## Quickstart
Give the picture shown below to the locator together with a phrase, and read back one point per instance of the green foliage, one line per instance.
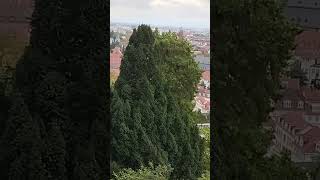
(253, 41)
(152, 122)
(205, 176)
(281, 167)
(178, 67)
(57, 127)
(200, 118)
(10, 52)
(161, 172)
(205, 133)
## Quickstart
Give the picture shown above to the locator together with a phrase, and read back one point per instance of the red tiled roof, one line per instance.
(115, 58)
(296, 119)
(205, 48)
(202, 90)
(312, 113)
(292, 94)
(311, 138)
(309, 133)
(206, 75)
(311, 95)
(308, 44)
(294, 84)
(205, 102)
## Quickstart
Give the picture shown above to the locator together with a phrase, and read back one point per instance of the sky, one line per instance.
(179, 13)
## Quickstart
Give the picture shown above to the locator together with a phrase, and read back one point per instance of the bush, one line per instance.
(205, 176)
(160, 172)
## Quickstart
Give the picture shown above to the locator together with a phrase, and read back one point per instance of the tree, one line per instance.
(10, 52)
(253, 41)
(159, 127)
(177, 65)
(140, 97)
(21, 145)
(62, 81)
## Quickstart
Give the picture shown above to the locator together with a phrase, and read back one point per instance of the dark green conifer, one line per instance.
(159, 122)
(62, 78)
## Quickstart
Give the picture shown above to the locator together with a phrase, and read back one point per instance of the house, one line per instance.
(202, 104)
(203, 92)
(296, 121)
(14, 19)
(305, 13)
(308, 53)
(203, 61)
(295, 135)
(205, 79)
(292, 97)
(202, 99)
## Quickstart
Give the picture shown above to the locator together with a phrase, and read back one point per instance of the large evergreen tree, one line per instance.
(253, 41)
(151, 115)
(58, 125)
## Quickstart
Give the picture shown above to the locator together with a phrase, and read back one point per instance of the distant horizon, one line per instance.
(160, 25)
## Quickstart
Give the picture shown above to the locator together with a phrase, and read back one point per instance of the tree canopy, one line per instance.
(152, 120)
(252, 45)
(58, 126)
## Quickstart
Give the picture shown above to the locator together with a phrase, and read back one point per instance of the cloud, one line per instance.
(179, 3)
(137, 4)
(196, 12)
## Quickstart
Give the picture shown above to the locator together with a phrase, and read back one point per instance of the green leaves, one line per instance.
(161, 172)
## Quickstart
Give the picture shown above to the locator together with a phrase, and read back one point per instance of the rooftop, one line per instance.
(115, 58)
(308, 44)
(206, 75)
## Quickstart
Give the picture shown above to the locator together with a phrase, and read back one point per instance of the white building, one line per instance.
(296, 122)
(205, 79)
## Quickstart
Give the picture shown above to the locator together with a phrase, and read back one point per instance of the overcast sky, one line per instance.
(184, 13)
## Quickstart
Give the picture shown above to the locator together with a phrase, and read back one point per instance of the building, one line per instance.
(204, 125)
(306, 13)
(307, 52)
(295, 135)
(202, 105)
(115, 62)
(202, 98)
(203, 61)
(296, 122)
(292, 97)
(14, 16)
(115, 58)
(205, 79)
(203, 92)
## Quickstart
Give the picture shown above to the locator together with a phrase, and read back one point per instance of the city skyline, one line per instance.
(175, 13)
